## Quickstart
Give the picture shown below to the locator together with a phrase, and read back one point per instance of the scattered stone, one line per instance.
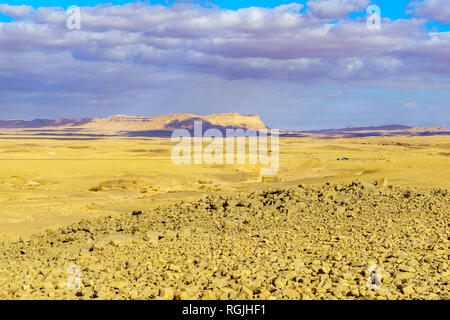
(404, 276)
(153, 236)
(166, 293)
(408, 290)
(290, 243)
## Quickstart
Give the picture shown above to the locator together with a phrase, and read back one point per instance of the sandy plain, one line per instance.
(48, 183)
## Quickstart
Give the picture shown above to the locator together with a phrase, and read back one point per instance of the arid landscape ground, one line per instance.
(121, 138)
(140, 227)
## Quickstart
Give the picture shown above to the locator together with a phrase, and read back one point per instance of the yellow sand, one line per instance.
(51, 182)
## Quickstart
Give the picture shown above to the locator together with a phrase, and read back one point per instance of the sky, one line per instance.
(310, 64)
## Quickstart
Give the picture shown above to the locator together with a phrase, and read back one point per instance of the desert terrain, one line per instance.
(140, 227)
(225, 150)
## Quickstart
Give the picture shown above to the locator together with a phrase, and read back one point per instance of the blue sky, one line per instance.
(300, 67)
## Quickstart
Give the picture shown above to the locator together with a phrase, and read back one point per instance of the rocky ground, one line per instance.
(307, 242)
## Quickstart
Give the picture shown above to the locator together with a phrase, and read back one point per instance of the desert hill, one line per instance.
(386, 130)
(175, 121)
(41, 123)
(164, 125)
(122, 124)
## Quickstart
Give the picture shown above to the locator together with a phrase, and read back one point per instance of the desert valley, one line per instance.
(104, 195)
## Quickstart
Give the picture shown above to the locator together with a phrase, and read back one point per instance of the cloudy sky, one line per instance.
(310, 64)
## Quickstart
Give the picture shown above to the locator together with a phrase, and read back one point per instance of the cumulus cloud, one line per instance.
(141, 51)
(18, 12)
(434, 10)
(335, 9)
(252, 42)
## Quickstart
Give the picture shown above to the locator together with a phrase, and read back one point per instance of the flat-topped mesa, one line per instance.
(163, 125)
(174, 121)
(236, 120)
(123, 124)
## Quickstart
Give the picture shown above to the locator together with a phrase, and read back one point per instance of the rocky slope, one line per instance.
(307, 242)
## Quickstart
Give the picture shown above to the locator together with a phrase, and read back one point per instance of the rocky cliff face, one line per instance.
(168, 122)
(126, 123)
(175, 121)
(236, 120)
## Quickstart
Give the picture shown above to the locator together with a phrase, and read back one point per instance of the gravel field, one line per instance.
(348, 241)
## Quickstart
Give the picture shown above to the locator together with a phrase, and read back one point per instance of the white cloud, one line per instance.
(335, 9)
(433, 10)
(17, 12)
(145, 53)
(279, 43)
